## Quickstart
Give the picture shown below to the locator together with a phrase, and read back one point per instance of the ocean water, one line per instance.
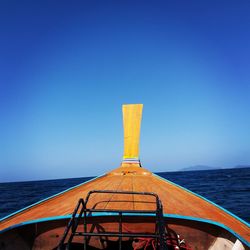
(229, 188)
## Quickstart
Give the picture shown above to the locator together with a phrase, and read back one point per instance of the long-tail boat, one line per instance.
(126, 208)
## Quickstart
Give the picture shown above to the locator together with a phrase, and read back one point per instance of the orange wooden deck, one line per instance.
(133, 178)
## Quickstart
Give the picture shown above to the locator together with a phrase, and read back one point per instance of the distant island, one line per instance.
(204, 167)
(199, 167)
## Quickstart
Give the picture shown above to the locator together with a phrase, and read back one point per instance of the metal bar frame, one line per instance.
(84, 212)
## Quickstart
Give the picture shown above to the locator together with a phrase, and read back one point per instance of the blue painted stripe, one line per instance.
(48, 198)
(203, 198)
(108, 214)
(36, 221)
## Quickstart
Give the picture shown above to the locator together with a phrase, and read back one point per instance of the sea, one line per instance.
(229, 188)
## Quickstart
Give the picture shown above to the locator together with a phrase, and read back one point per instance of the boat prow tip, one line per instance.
(130, 168)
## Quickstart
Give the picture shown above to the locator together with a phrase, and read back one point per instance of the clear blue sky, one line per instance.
(66, 67)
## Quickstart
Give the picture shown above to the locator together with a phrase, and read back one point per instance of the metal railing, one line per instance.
(82, 212)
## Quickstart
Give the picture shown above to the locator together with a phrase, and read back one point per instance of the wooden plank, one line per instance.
(124, 201)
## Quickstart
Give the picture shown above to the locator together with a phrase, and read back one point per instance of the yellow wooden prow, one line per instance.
(132, 114)
(131, 165)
